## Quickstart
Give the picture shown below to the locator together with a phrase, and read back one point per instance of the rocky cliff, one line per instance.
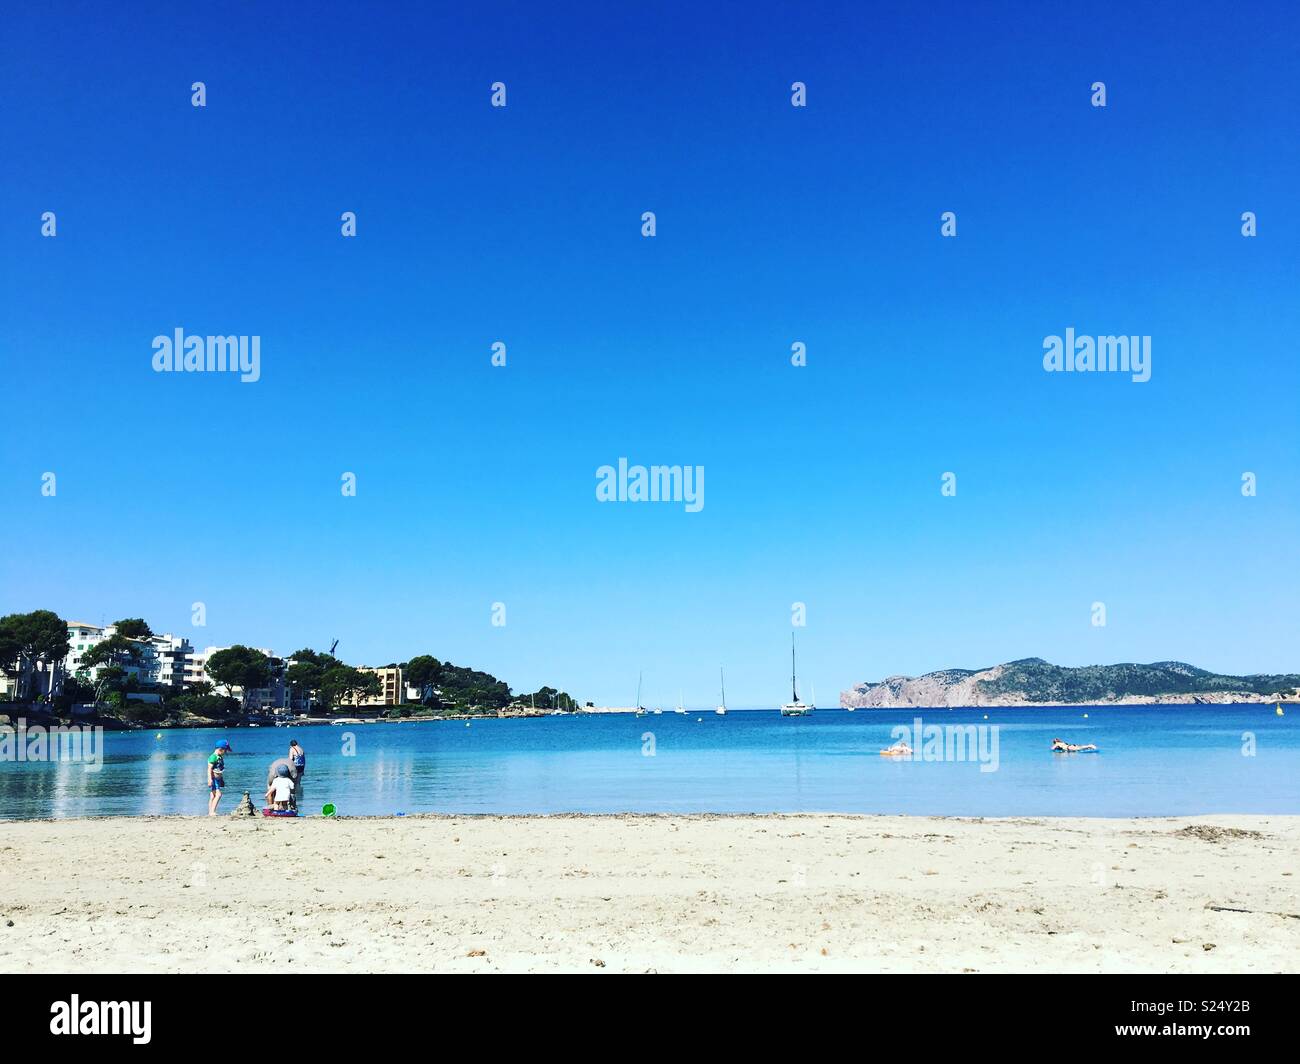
(1035, 682)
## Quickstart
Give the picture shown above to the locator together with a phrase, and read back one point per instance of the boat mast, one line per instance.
(723, 680)
(794, 689)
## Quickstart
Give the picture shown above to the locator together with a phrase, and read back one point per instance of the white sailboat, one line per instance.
(721, 711)
(640, 710)
(680, 708)
(795, 708)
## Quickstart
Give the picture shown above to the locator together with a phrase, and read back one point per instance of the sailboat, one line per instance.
(640, 711)
(721, 711)
(680, 708)
(795, 708)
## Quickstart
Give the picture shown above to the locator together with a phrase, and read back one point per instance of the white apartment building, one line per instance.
(162, 658)
(81, 637)
(173, 658)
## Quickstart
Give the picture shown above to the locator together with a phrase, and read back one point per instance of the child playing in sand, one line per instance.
(280, 790)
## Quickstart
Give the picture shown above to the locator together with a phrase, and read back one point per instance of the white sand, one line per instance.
(628, 893)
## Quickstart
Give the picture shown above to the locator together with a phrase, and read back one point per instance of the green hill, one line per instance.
(1036, 680)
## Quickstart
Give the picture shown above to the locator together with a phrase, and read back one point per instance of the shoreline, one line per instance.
(965, 818)
(41, 717)
(661, 892)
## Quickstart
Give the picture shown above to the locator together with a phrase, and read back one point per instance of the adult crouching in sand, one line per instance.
(296, 765)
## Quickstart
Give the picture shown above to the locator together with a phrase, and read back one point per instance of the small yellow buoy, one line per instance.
(1279, 710)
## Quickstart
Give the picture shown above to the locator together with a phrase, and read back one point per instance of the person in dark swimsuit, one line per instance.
(297, 769)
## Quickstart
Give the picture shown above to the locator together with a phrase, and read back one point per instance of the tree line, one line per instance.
(312, 677)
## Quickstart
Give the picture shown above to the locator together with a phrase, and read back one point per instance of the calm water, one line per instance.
(1154, 761)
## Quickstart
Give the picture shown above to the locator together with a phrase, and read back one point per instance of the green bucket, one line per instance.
(327, 809)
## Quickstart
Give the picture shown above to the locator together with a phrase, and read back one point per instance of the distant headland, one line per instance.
(1035, 682)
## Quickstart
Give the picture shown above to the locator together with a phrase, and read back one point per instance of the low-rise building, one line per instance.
(278, 696)
(392, 691)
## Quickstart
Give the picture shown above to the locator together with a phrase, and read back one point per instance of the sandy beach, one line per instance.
(651, 893)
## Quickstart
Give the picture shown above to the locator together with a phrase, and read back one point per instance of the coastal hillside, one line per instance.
(1035, 682)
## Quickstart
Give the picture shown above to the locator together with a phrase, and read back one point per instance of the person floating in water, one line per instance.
(1060, 746)
(899, 749)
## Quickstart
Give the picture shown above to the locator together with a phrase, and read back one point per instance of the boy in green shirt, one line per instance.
(217, 775)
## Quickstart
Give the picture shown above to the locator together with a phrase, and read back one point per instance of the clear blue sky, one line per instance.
(775, 225)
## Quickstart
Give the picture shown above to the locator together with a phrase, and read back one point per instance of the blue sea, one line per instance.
(1153, 761)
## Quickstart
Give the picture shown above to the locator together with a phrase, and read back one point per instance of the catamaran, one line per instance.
(721, 711)
(795, 708)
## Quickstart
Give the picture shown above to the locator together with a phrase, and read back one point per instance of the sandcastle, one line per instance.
(245, 807)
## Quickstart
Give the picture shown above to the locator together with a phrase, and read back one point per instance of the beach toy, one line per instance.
(327, 809)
